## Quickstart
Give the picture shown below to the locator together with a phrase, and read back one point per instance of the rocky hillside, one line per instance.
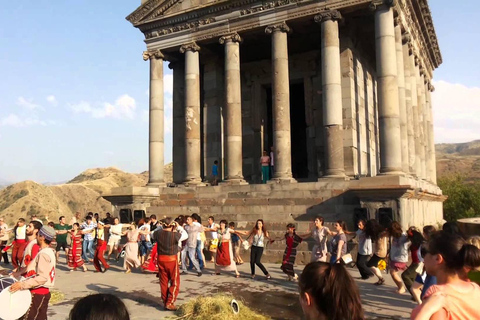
(459, 158)
(82, 193)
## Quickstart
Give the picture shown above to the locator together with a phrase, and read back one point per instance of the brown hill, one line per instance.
(459, 158)
(82, 193)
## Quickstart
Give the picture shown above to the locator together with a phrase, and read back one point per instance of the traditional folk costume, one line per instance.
(19, 245)
(290, 254)
(75, 254)
(168, 269)
(100, 251)
(224, 260)
(151, 264)
(31, 250)
(43, 269)
(131, 250)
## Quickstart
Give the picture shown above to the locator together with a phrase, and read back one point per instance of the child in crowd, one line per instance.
(236, 243)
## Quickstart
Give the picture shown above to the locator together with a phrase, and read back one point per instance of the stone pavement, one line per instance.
(276, 298)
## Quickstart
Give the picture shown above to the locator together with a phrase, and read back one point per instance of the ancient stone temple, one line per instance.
(338, 90)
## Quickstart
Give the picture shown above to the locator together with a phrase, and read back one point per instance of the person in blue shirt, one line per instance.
(215, 173)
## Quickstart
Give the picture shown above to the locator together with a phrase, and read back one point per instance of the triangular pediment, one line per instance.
(157, 9)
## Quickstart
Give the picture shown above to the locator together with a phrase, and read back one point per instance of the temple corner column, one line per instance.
(156, 156)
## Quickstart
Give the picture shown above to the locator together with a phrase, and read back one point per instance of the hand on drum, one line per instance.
(15, 287)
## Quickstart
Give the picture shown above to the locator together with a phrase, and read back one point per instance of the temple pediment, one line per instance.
(157, 9)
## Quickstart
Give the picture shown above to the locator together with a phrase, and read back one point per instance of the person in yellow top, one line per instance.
(100, 249)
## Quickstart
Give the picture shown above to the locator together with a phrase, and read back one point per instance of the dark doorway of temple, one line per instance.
(298, 129)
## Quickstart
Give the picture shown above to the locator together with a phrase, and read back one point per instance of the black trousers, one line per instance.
(4, 254)
(365, 271)
(255, 259)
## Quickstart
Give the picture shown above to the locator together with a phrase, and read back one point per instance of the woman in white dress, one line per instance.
(131, 248)
(224, 260)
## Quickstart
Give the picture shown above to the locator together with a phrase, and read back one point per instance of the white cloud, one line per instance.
(456, 112)
(123, 108)
(13, 120)
(24, 103)
(52, 100)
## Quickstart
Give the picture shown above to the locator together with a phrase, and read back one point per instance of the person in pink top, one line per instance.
(454, 297)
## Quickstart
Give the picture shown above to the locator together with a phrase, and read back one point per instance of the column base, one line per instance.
(392, 173)
(335, 176)
(194, 182)
(156, 184)
(281, 181)
(234, 181)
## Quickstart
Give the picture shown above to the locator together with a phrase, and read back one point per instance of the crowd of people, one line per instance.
(438, 268)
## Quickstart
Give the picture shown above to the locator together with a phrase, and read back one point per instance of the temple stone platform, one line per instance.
(386, 198)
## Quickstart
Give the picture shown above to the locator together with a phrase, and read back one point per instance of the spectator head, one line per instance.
(51, 224)
(180, 220)
(108, 214)
(211, 219)
(361, 224)
(231, 225)
(319, 221)
(33, 228)
(115, 220)
(340, 226)
(329, 292)
(21, 222)
(189, 220)
(452, 228)
(265, 153)
(61, 219)
(223, 224)
(448, 254)
(102, 306)
(153, 217)
(215, 162)
(88, 218)
(196, 218)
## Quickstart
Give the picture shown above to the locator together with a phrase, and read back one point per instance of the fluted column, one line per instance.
(233, 109)
(416, 126)
(428, 133)
(332, 93)
(192, 113)
(421, 126)
(281, 103)
(408, 102)
(431, 136)
(402, 103)
(425, 123)
(155, 125)
(178, 112)
(387, 83)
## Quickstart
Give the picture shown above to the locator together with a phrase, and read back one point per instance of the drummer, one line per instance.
(31, 249)
(44, 269)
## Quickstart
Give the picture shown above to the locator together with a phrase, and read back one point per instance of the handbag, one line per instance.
(347, 258)
(246, 245)
(213, 244)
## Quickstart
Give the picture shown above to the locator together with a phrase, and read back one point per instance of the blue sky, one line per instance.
(73, 88)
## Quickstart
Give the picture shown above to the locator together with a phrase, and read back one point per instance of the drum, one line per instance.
(13, 305)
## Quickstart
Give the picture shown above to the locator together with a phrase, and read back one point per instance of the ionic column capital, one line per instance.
(406, 38)
(333, 15)
(155, 54)
(377, 3)
(191, 46)
(431, 87)
(234, 37)
(397, 21)
(280, 27)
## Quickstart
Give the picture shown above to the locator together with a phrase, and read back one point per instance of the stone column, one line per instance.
(332, 94)
(281, 103)
(431, 137)
(428, 133)
(421, 126)
(192, 113)
(401, 96)
(416, 128)
(425, 122)
(156, 127)
(178, 129)
(408, 101)
(388, 109)
(233, 109)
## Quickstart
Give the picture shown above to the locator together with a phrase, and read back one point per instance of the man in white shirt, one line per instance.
(88, 240)
(196, 222)
(4, 236)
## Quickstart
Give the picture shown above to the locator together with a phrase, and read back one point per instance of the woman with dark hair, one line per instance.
(453, 297)
(379, 237)
(423, 281)
(328, 292)
(99, 307)
(319, 235)
(364, 251)
(292, 240)
(224, 260)
(339, 242)
(75, 254)
(398, 256)
(131, 247)
(258, 236)
(408, 276)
